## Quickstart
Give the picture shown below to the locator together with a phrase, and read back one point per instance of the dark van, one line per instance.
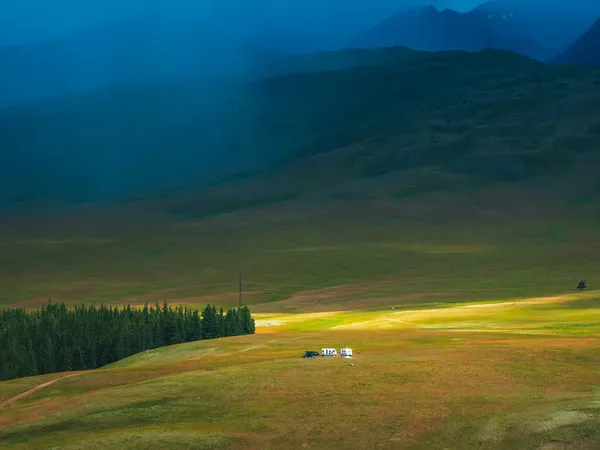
(310, 354)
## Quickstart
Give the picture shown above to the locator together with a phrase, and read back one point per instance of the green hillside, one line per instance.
(434, 213)
(365, 161)
(455, 109)
(433, 122)
(491, 114)
(102, 144)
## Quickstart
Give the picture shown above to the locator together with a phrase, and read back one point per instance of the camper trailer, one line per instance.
(328, 352)
(346, 352)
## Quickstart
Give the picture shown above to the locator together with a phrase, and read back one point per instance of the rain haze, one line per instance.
(146, 50)
(31, 20)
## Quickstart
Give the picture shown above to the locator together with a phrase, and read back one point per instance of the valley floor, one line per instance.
(470, 330)
(519, 374)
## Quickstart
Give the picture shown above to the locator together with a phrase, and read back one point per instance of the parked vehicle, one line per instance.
(328, 352)
(346, 352)
(310, 354)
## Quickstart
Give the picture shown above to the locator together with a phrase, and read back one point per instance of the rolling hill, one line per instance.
(439, 122)
(586, 50)
(428, 29)
(103, 143)
(463, 112)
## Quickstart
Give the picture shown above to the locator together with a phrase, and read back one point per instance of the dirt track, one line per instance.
(35, 389)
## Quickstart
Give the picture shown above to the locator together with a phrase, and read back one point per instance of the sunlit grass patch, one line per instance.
(164, 355)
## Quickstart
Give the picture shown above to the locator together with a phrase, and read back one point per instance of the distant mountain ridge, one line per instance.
(160, 41)
(148, 52)
(105, 141)
(585, 51)
(486, 114)
(88, 62)
(127, 52)
(554, 24)
(429, 29)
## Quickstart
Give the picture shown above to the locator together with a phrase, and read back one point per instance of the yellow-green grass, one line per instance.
(356, 256)
(406, 390)
(470, 330)
(483, 375)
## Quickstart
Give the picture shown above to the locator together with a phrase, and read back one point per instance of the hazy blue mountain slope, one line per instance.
(586, 50)
(432, 30)
(443, 122)
(555, 24)
(105, 142)
(128, 52)
(152, 41)
(492, 114)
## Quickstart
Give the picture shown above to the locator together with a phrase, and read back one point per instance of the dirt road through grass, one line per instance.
(35, 389)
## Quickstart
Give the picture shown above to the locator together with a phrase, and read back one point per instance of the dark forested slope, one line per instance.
(493, 113)
(585, 50)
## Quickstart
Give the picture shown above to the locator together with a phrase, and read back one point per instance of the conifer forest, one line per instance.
(59, 339)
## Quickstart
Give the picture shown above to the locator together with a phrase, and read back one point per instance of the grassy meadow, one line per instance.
(357, 255)
(470, 330)
(409, 388)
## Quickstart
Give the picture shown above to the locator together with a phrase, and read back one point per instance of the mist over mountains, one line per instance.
(27, 21)
(130, 42)
(185, 93)
(430, 29)
(134, 41)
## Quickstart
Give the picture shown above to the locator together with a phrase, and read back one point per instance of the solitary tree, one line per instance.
(581, 286)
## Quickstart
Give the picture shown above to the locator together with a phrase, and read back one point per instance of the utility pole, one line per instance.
(241, 291)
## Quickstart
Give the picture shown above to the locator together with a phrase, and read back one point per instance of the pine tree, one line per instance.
(248, 324)
(64, 363)
(171, 331)
(232, 321)
(47, 364)
(221, 322)
(210, 326)
(32, 368)
(196, 327)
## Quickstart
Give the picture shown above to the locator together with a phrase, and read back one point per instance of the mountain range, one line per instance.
(143, 51)
(428, 29)
(155, 47)
(143, 105)
(493, 114)
(555, 24)
(104, 142)
(586, 50)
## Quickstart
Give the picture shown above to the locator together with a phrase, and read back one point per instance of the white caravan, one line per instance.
(328, 352)
(346, 352)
